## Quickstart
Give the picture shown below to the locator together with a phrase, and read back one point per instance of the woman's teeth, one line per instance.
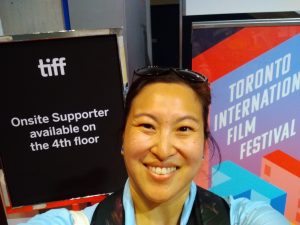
(162, 170)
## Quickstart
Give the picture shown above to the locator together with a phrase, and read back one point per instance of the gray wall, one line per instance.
(30, 16)
(93, 14)
(138, 33)
(131, 15)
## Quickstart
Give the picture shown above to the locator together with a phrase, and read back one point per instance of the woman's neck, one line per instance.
(166, 213)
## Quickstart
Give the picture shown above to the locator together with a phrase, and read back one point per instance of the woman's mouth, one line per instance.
(162, 170)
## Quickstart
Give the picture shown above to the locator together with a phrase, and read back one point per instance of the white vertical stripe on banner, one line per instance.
(201, 7)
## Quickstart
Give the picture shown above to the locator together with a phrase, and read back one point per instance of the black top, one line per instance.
(208, 209)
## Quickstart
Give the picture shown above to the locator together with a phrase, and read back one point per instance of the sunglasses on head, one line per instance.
(186, 74)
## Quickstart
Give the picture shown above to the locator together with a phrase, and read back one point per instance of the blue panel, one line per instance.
(240, 182)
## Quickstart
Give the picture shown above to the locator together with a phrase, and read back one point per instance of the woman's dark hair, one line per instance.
(201, 89)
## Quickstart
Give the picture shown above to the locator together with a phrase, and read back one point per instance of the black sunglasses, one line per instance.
(185, 74)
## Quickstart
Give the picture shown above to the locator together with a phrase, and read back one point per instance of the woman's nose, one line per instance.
(163, 147)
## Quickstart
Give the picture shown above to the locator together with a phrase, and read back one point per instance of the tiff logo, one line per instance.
(49, 69)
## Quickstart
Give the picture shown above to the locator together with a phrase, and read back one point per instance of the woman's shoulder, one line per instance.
(51, 217)
(63, 216)
(241, 210)
(248, 212)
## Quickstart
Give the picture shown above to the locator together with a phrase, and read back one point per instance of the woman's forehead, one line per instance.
(167, 97)
(176, 89)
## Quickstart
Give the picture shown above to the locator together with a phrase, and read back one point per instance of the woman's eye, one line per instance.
(184, 129)
(147, 126)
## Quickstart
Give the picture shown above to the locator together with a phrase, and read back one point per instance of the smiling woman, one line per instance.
(163, 149)
(164, 137)
(165, 134)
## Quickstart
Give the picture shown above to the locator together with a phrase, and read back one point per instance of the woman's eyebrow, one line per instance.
(145, 114)
(188, 117)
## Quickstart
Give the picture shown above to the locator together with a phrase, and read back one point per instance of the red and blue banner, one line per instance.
(255, 114)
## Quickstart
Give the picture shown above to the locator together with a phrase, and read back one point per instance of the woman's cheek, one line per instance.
(192, 150)
(136, 142)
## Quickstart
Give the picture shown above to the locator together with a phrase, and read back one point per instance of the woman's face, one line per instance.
(163, 141)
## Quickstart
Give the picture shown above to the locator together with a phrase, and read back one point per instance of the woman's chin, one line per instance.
(159, 198)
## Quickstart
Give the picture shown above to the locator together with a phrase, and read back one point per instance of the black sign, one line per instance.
(3, 220)
(61, 118)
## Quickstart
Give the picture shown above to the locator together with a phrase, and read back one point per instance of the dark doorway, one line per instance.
(165, 35)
